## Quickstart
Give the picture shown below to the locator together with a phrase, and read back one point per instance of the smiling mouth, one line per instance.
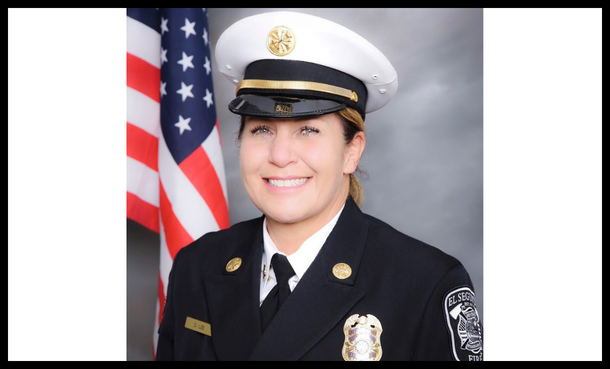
(287, 183)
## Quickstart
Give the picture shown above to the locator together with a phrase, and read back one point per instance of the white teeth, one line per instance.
(286, 183)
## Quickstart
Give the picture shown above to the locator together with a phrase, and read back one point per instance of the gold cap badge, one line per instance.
(233, 264)
(362, 338)
(342, 270)
(280, 41)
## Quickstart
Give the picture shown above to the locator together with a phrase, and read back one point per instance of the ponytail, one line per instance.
(352, 124)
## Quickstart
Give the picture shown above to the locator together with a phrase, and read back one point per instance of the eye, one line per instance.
(260, 130)
(308, 131)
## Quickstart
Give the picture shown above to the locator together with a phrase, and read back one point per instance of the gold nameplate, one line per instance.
(198, 326)
(362, 338)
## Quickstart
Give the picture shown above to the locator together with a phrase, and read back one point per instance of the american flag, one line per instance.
(175, 170)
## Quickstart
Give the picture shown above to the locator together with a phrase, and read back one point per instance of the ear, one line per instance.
(354, 152)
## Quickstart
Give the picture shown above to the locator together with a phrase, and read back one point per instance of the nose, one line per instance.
(282, 150)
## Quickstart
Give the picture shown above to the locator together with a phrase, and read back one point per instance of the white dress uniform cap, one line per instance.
(308, 39)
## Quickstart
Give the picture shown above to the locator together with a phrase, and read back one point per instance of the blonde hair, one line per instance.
(353, 123)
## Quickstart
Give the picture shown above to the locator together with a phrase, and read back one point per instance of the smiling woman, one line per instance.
(297, 172)
(314, 277)
(352, 124)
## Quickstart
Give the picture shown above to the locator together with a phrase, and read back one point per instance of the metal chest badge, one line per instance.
(362, 338)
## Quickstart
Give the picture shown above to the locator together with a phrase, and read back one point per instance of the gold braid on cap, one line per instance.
(297, 85)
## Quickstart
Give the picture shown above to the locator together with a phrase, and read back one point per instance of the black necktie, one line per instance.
(279, 293)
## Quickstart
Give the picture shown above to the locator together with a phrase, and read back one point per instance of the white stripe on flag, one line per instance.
(213, 148)
(143, 112)
(165, 259)
(143, 42)
(156, 328)
(165, 266)
(142, 181)
(189, 207)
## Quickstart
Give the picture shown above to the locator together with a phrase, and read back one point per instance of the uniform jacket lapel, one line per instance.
(236, 329)
(320, 300)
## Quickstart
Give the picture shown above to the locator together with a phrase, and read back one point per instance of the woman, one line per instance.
(313, 278)
(298, 171)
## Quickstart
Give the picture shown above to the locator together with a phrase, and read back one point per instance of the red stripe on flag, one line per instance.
(176, 236)
(142, 212)
(161, 299)
(201, 173)
(142, 146)
(218, 130)
(143, 77)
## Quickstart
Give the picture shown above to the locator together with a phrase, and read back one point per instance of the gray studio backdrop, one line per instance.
(424, 152)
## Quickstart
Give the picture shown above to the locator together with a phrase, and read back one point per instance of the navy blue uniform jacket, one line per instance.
(412, 288)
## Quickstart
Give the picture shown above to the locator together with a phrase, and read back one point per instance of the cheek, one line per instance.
(324, 158)
(251, 157)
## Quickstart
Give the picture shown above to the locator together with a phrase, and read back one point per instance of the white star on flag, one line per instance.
(164, 26)
(207, 66)
(163, 92)
(186, 61)
(208, 97)
(185, 91)
(183, 124)
(188, 28)
(205, 36)
(163, 56)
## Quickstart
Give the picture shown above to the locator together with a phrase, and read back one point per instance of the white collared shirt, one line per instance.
(299, 260)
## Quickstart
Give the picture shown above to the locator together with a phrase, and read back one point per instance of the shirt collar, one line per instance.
(303, 257)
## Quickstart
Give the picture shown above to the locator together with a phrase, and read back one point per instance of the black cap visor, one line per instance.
(281, 106)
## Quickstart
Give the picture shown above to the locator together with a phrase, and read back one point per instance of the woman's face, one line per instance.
(297, 169)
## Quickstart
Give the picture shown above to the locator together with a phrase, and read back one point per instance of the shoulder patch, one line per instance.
(462, 319)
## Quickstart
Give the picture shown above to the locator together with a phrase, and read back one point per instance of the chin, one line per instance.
(284, 216)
